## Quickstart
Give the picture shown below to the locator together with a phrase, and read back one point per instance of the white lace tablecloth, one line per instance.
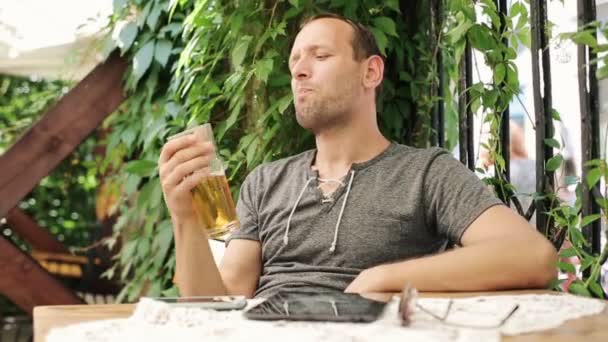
(155, 321)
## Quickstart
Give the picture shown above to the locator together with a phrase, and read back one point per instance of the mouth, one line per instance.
(303, 91)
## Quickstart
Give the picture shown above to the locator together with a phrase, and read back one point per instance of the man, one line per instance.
(359, 213)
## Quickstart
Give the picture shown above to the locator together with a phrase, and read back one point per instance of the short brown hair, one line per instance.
(363, 43)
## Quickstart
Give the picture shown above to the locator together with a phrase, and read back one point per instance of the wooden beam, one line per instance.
(27, 284)
(37, 237)
(60, 130)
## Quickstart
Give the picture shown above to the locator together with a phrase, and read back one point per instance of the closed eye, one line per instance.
(322, 57)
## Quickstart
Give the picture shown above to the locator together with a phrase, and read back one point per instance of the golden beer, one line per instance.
(214, 206)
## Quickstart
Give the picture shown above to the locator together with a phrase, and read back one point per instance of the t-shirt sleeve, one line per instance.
(454, 196)
(246, 210)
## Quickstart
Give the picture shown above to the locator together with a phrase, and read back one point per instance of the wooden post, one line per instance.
(60, 130)
(26, 284)
(37, 237)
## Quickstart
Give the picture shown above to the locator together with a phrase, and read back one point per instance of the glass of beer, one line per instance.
(211, 198)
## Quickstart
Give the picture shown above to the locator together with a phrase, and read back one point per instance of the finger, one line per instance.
(199, 149)
(174, 145)
(184, 155)
(186, 169)
(191, 181)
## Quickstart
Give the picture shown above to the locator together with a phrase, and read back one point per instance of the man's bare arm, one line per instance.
(183, 163)
(198, 275)
(500, 251)
(241, 267)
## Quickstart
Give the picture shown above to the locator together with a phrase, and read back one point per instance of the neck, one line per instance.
(339, 148)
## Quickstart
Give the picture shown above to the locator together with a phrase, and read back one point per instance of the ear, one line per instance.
(374, 72)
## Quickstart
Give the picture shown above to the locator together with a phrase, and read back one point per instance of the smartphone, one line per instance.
(207, 302)
(307, 306)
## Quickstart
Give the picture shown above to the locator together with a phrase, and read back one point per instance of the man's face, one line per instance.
(325, 78)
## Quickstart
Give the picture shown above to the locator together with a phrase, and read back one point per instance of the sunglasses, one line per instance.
(408, 304)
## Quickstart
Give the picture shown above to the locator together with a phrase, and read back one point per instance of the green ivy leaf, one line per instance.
(587, 220)
(602, 72)
(577, 238)
(263, 68)
(568, 253)
(127, 36)
(162, 241)
(596, 289)
(524, 37)
(555, 284)
(475, 104)
(555, 115)
(554, 163)
(594, 176)
(393, 4)
(128, 136)
(280, 81)
(294, 3)
(386, 24)
(144, 194)
(517, 8)
(284, 102)
(172, 29)
(579, 288)
(587, 261)
(552, 143)
(143, 59)
(460, 30)
(152, 18)
(143, 15)
(131, 184)
(171, 292)
(156, 195)
(594, 162)
(251, 152)
(240, 51)
(140, 167)
(499, 73)
(162, 51)
(481, 38)
(381, 39)
(566, 267)
(585, 38)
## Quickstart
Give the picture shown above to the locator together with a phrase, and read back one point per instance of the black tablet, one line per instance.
(299, 305)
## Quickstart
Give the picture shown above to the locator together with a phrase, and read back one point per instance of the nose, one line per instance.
(301, 69)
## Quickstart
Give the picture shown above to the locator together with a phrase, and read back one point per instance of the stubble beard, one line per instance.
(318, 114)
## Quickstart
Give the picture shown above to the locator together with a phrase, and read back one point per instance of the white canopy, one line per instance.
(57, 39)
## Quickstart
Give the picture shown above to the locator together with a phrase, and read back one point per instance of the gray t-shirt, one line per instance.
(404, 203)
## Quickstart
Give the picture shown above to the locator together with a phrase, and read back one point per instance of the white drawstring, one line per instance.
(285, 238)
(350, 184)
(295, 205)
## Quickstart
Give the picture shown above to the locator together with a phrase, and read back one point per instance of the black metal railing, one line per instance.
(543, 118)
(588, 95)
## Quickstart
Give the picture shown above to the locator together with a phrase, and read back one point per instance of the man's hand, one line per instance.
(183, 163)
(368, 281)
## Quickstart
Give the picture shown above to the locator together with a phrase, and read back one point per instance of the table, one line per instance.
(590, 328)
